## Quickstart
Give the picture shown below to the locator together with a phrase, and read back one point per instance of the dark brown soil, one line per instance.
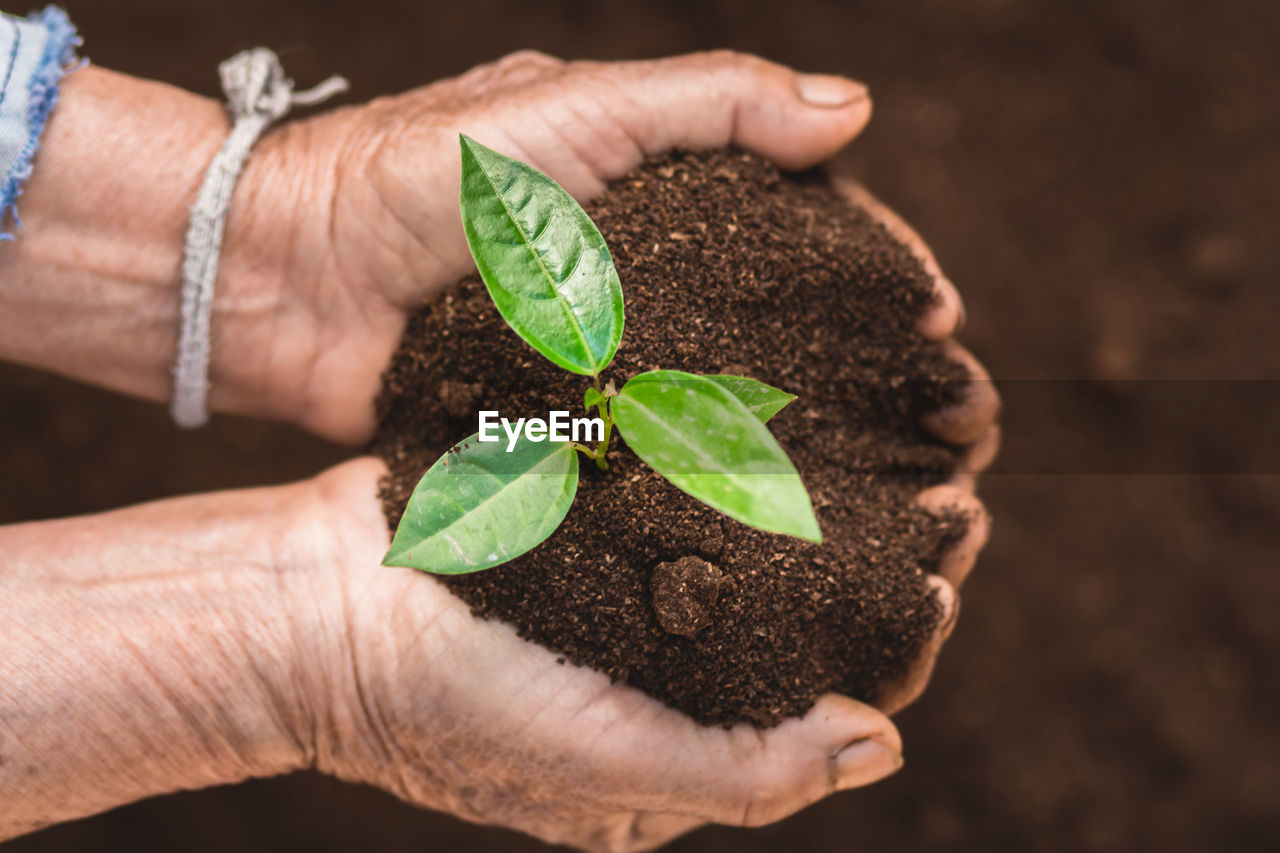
(727, 267)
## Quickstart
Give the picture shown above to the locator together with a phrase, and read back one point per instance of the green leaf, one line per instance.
(592, 398)
(763, 400)
(706, 441)
(543, 260)
(479, 506)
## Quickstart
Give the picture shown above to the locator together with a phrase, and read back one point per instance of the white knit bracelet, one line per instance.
(258, 94)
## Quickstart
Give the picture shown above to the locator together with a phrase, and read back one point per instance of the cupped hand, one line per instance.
(970, 424)
(413, 694)
(358, 208)
(456, 713)
(341, 226)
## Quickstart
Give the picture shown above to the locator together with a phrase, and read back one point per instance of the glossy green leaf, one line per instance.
(763, 400)
(479, 506)
(702, 438)
(592, 397)
(543, 260)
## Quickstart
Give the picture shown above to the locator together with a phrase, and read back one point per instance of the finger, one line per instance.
(744, 775)
(971, 416)
(979, 456)
(948, 500)
(838, 745)
(917, 678)
(975, 459)
(477, 85)
(945, 316)
(588, 123)
(514, 69)
(710, 100)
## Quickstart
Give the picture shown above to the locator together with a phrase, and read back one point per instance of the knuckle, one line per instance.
(723, 56)
(528, 59)
(732, 59)
(515, 69)
(743, 67)
(727, 68)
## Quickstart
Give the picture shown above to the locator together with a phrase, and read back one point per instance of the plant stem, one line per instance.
(603, 408)
(603, 446)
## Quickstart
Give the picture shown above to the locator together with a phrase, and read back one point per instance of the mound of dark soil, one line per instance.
(727, 266)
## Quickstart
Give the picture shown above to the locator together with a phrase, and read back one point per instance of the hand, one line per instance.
(418, 697)
(562, 754)
(970, 423)
(372, 225)
(454, 713)
(342, 225)
(252, 633)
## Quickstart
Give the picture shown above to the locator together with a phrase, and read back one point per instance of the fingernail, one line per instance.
(949, 600)
(863, 762)
(827, 90)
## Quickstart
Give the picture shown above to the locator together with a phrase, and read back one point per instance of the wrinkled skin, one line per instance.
(250, 633)
(562, 754)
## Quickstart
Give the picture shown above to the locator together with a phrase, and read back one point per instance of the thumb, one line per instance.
(584, 124)
(587, 123)
(710, 100)
(839, 744)
(746, 776)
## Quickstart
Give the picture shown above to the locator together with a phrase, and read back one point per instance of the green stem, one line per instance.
(603, 446)
(601, 406)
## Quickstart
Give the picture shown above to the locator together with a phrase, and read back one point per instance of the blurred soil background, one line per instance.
(1101, 179)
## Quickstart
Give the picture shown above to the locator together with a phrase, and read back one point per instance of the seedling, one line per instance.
(550, 274)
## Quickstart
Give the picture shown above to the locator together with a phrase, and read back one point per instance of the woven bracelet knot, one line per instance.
(254, 82)
(258, 95)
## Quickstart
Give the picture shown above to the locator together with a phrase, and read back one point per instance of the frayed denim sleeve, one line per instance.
(34, 54)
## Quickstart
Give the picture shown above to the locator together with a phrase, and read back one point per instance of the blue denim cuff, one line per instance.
(34, 54)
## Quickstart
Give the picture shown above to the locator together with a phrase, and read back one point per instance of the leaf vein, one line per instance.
(573, 320)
